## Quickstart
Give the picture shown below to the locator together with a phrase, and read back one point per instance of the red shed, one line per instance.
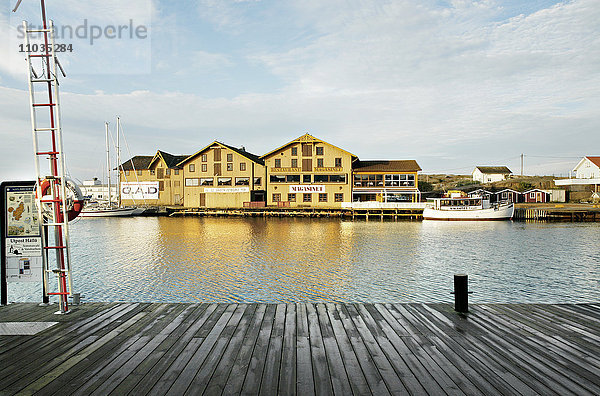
(537, 195)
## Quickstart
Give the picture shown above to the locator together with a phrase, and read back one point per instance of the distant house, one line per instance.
(480, 192)
(509, 195)
(490, 174)
(588, 168)
(536, 196)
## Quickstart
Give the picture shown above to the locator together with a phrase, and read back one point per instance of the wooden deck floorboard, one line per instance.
(288, 349)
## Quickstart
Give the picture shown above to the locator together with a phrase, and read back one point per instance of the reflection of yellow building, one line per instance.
(308, 172)
(304, 173)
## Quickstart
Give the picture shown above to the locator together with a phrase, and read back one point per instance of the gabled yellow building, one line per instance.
(309, 172)
(222, 176)
(161, 168)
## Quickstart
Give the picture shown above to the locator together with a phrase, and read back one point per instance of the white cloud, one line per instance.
(450, 87)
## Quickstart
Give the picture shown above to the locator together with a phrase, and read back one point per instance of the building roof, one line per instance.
(241, 151)
(170, 160)
(595, 160)
(503, 170)
(387, 166)
(306, 138)
(137, 162)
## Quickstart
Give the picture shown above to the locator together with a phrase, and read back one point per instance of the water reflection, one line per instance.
(288, 260)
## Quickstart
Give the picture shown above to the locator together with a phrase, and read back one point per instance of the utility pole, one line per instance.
(522, 155)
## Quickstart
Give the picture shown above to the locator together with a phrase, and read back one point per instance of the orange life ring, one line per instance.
(74, 199)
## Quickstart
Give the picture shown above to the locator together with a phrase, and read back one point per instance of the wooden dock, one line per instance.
(305, 349)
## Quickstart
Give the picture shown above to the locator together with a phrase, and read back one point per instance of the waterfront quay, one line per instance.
(343, 349)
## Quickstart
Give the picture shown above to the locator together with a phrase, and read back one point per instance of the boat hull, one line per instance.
(109, 212)
(502, 212)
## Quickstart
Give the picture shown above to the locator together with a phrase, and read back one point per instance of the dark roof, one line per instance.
(137, 162)
(494, 169)
(242, 151)
(387, 166)
(172, 160)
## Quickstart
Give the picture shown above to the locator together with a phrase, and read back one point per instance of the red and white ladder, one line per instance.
(51, 194)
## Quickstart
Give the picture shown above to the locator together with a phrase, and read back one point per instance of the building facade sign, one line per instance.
(307, 189)
(140, 190)
(228, 190)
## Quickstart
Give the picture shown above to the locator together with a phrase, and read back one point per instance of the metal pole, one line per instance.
(461, 293)
(108, 164)
(118, 162)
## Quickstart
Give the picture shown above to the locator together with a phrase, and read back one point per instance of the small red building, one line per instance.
(536, 195)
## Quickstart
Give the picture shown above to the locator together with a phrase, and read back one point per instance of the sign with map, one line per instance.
(22, 217)
(22, 250)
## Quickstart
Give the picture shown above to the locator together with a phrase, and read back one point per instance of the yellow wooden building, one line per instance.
(162, 168)
(304, 173)
(308, 172)
(223, 176)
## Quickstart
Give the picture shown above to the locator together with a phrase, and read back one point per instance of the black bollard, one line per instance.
(461, 293)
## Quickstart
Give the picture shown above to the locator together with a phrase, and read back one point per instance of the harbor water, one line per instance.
(193, 259)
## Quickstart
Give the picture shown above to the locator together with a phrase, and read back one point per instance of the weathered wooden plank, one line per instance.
(54, 349)
(287, 370)
(339, 350)
(235, 381)
(122, 365)
(485, 379)
(357, 349)
(235, 328)
(184, 378)
(269, 383)
(418, 381)
(305, 384)
(75, 359)
(425, 369)
(424, 348)
(323, 376)
(343, 325)
(534, 356)
(257, 361)
(385, 367)
(211, 378)
(145, 376)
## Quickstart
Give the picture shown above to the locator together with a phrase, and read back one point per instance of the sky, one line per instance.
(451, 84)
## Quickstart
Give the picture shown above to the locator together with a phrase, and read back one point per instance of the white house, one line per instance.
(490, 174)
(588, 168)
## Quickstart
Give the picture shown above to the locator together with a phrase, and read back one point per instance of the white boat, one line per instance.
(107, 211)
(457, 206)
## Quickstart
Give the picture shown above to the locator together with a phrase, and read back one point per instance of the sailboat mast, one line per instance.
(118, 162)
(108, 165)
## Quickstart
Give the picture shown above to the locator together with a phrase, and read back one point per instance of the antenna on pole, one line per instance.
(522, 155)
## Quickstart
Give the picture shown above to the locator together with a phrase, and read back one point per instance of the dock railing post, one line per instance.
(461, 293)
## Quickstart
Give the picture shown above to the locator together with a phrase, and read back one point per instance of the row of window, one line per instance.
(204, 168)
(294, 163)
(384, 180)
(307, 178)
(307, 150)
(221, 181)
(167, 172)
(307, 197)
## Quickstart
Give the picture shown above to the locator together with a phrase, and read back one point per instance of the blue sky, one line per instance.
(452, 84)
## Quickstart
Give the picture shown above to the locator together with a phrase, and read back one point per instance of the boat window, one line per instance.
(224, 181)
(208, 181)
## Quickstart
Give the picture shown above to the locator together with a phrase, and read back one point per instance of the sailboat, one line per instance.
(110, 208)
